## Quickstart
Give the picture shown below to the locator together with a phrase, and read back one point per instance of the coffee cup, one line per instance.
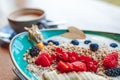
(26, 18)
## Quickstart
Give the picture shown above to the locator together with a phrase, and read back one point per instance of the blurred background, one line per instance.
(100, 15)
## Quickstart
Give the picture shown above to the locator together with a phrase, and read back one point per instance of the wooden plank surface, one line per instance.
(6, 65)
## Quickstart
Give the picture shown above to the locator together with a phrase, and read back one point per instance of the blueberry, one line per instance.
(50, 41)
(94, 46)
(45, 43)
(87, 41)
(56, 43)
(34, 51)
(114, 45)
(75, 42)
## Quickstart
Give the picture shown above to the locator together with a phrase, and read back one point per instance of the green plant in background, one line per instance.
(115, 2)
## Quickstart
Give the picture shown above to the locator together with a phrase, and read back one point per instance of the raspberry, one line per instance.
(72, 59)
(91, 64)
(65, 56)
(34, 51)
(54, 56)
(59, 50)
(84, 58)
(114, 72)
(111, 60)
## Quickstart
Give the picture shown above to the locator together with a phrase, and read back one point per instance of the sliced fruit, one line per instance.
(62, 66)
(74, 76)
(61, 77)
(79, 66)
(66, 76)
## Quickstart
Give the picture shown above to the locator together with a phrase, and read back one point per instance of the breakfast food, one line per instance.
(59, 58)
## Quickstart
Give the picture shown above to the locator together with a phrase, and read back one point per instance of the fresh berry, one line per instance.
(79, 66)
(62, 66)
(91, 66)
(85, 59)
(34, 51)
(114, 45)
(45, 43)
(44, 60)
(70, 66)
(65, 56)
(50, 41)
(73, 56)
(75, 42)
(56, 43)
(54, 56)
(72, 59)
(114, 72)
(59, 50)
(94, 47)
(87, 41)
(47, 55)
(111, 60)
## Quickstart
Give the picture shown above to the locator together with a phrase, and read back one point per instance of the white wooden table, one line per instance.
(85, 14)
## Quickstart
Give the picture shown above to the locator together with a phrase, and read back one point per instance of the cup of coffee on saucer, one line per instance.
(26, 18)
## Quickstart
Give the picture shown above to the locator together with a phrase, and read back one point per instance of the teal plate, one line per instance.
(20, 44)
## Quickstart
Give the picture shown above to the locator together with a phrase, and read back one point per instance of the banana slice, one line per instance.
(90, 76)
(61, 77)
(54, 75)
(77, 77)
(87, 75)
(47, 76)
(66, 76)
(82, 76)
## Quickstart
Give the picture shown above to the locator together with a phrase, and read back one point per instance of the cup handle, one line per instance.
(42, 24)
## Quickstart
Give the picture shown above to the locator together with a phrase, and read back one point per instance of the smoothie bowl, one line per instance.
(68, 54)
